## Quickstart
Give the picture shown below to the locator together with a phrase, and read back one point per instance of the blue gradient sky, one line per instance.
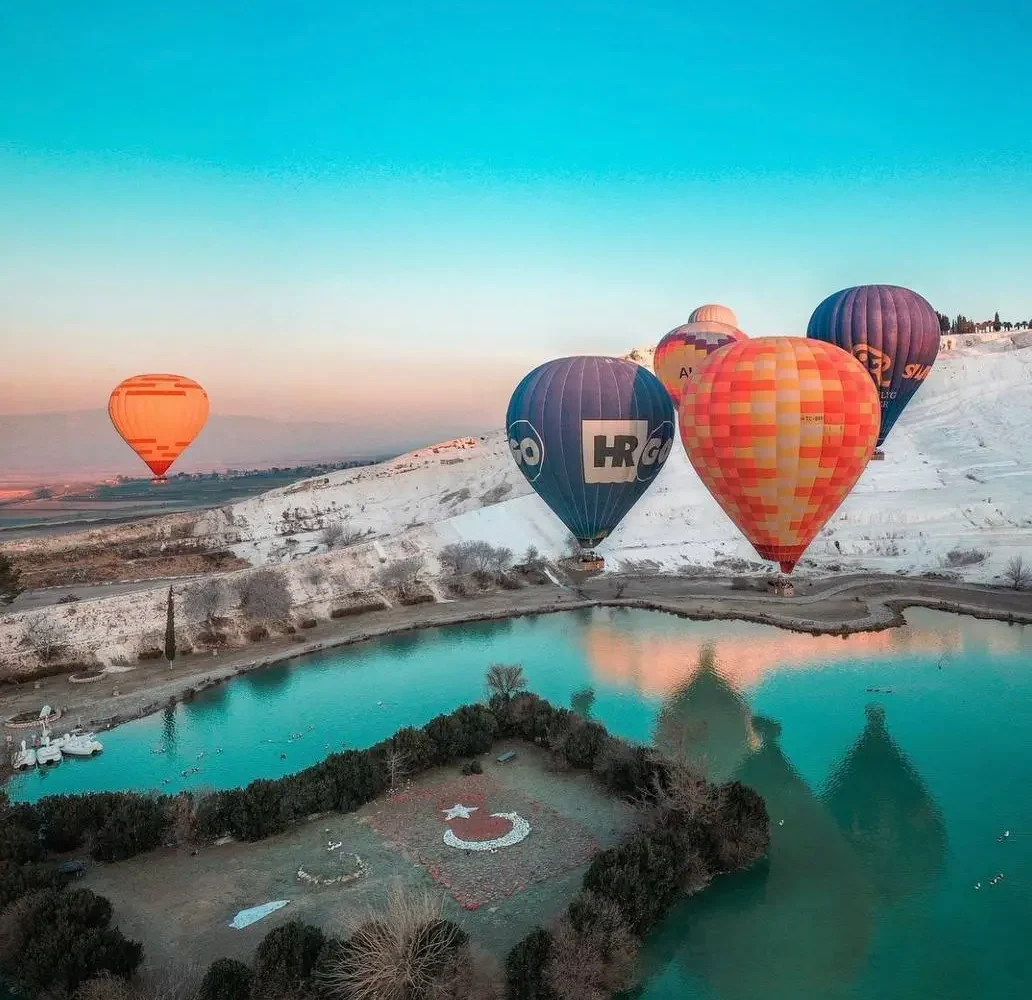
(315, 208)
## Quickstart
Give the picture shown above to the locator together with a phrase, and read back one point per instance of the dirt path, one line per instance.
(839, 605)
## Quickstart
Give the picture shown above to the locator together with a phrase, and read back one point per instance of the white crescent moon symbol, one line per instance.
(519, 831)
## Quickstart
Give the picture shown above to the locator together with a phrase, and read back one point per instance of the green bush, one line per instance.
(67, 940)
(285, 959)
(525, 967)
(226, 979)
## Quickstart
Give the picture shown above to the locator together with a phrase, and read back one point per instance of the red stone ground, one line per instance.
(413, 823)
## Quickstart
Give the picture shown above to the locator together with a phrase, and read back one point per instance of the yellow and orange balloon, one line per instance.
(780, 429)
(683, 349)
(158, 416)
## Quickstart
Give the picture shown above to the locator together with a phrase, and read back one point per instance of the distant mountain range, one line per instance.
(83, 443)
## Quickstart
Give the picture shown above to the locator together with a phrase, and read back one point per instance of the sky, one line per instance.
(393, 210)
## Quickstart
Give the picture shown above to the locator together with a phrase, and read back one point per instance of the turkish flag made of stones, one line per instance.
(480, 840)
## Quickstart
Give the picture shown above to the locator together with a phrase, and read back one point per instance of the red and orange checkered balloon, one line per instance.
(158, 416)
(780, 429)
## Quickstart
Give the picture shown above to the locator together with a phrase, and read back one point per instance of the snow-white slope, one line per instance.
(957, 476)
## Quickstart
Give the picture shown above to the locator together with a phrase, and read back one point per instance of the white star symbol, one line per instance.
(458, 811)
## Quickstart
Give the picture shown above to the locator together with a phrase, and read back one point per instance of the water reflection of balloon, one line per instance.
(800, 923)
(714, 312)
(590, 434)
(892, 331)
(158, 416)
(682, 350)
(884, 810)
(779, 429)
(707, 722)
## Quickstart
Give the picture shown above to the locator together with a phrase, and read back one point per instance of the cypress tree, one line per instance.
(170, 631)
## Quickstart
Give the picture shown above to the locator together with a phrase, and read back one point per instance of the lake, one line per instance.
(892, 764)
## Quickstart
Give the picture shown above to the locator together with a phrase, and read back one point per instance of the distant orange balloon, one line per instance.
(780, 429)
(158, 416)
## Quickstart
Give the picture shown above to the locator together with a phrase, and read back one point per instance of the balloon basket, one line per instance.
(584, 564)
(780, 585)
(159, 481)
(878, 456)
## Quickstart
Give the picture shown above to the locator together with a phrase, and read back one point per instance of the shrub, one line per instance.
(508, 582)
(67, 940)
(964, 557)
(526, 965)
(226, 979)
(592, 952)
(285, 958)
(150, 653)
(17, 880)
(257, 632)
(640, 877)
(308, 622)
(742, 826)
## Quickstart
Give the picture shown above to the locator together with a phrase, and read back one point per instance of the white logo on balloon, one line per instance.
(527, 448)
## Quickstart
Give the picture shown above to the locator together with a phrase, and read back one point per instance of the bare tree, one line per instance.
(44, 637)
(205, 600)
(531, 558)
(1017, 574)
(401, 573)
(332, 534)
(458, 557)
(482, 554)
(397, 764)
(265, 596)
(406, 950)
(341, 534)
(505, 679)
(594, 960)
(501, 559)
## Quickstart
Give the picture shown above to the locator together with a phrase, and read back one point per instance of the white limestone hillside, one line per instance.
(957, 478)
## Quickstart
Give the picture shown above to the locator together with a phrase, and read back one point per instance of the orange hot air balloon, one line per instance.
(158, 416)
(780, 429)
(682, 350)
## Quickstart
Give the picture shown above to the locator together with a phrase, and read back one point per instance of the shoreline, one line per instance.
(818, 612)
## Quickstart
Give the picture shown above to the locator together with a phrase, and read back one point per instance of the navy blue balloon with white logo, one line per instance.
(590, 434)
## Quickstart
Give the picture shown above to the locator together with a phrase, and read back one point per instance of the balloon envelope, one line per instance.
(158, 416)
(683, 349)
(590, 434)
(714, 312)
(780, 429)
(893, 331)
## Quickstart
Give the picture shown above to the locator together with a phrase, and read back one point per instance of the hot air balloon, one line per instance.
(681, 350)
(713, 313)
(590, 434)
(893, 331)
(158, 416)
(779, 429)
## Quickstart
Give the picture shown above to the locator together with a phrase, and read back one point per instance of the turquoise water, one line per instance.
(891, 764)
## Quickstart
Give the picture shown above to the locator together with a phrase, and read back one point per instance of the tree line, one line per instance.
(960, 324)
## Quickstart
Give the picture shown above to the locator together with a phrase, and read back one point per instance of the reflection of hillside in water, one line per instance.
(882, 807)
(659, 664)
(707, 721)
(797, 925)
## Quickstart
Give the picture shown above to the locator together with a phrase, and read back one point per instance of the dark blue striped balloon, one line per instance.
(590, 434)
(893, 331)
